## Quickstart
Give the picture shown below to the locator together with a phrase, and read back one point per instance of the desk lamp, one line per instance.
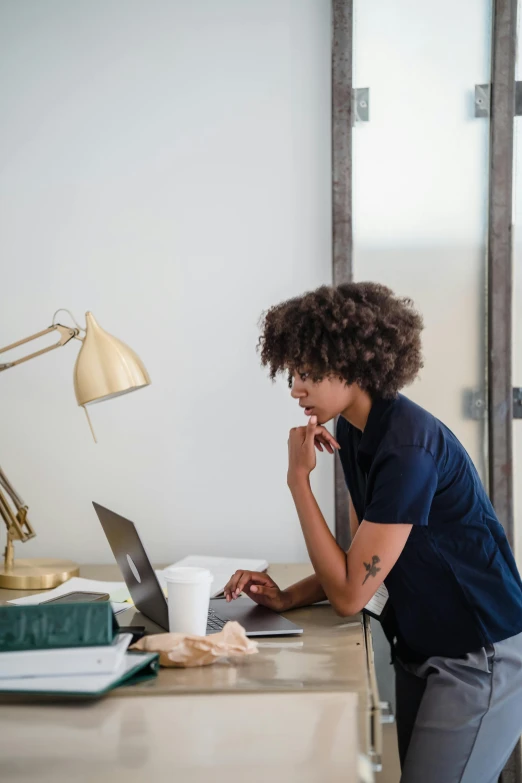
(105, 368)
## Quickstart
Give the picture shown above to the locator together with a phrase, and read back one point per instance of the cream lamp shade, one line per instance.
(105, 367)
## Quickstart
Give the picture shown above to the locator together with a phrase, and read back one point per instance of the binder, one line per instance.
(134, 668)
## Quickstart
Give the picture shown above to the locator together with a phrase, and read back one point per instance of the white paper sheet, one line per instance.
(379, 601)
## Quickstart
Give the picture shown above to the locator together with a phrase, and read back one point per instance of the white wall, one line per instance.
(420, 184)
(165, 165)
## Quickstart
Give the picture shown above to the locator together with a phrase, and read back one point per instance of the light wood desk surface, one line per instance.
(298, 710)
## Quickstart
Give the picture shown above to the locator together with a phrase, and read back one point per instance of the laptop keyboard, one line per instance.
(214, 622)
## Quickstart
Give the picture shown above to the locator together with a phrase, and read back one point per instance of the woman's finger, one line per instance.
(322, 431)
(318, 445)
(231, 587)
(326, 443)
(242, 588)
(245, 578)
(250, 578)
(227, 588)
(257, 589)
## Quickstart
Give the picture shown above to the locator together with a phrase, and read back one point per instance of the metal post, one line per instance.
(500, 393)
(500, 272)
(342, 39)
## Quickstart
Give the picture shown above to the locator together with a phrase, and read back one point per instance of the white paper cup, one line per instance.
(188, 596)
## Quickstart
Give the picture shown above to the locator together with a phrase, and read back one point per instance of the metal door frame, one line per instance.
(500, 284)
(342, 245)
(500, 263)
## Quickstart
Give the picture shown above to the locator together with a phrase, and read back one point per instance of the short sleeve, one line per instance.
(401, 486)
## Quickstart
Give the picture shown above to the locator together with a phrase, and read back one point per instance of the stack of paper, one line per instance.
(65, 661)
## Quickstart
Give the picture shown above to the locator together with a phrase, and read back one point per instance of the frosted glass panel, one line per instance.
(420, 185)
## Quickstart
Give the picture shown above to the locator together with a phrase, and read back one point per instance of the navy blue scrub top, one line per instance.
(455, 587)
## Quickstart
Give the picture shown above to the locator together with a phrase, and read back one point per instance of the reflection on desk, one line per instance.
(289, 713)
(276, 736)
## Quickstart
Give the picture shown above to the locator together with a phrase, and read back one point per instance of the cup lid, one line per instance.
(187, 574)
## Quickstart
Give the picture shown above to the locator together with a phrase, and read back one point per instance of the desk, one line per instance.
(300, 710)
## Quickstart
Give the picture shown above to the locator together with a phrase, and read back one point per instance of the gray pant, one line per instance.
(458, 719)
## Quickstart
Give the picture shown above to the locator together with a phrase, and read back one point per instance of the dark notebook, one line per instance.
(48, 626)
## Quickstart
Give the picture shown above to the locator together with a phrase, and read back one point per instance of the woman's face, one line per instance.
(325, 399)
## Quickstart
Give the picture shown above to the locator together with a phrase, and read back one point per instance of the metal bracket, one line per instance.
(517, 402)
(387, 715)
(475, 404)
(483, 100)
(361, 104)
(518, 99)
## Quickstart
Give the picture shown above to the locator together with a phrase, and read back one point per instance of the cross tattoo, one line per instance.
(372, 568)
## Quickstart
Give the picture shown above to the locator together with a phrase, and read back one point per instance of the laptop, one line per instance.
(149, 598)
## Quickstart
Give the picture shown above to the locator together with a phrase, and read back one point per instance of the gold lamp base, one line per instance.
(37, 574)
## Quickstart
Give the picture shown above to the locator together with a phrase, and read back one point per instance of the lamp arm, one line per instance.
(17, 524)
(13, 494)
(67, 333)
(18, 528)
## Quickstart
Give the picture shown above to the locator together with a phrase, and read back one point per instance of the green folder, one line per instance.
(135, 668)
(47, 626)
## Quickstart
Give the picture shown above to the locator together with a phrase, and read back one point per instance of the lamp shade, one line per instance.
(105, 367)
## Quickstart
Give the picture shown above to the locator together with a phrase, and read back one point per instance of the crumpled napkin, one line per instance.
(183, 650)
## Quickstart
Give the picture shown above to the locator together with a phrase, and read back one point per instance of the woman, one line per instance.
(421, 522)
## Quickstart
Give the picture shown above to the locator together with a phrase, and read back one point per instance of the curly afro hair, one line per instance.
(360, 332)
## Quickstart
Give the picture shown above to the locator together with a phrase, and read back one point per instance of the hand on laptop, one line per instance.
(259, 587)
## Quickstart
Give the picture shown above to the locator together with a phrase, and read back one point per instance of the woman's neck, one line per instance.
(359, 409)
